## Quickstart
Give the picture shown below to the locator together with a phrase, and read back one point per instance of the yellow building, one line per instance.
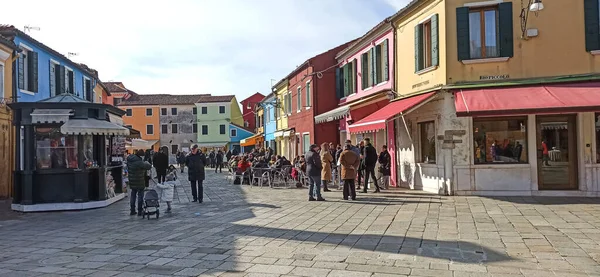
(281, 90)
(508, 104)
(8, 53)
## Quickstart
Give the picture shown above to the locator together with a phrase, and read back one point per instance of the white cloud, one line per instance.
(201, 46)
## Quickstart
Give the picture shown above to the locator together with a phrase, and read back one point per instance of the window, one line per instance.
(55, 79)
(427, 142)
(117, 101)
(346, 76)
(128, 112)
(174, 128)
(221, 109)
(148, 112)
(70, 81)
(204, 110)
(277, 111)
(233, 133)
(426, 44)
(288, 103)
(1, 81)
(222, 129)
(246, 123)
(194, 110)
(195, 128)
(28, 70)
(268, 115)
(164, 129)
(163, 111)
(204, 129)
(55, 150)
(592, 24)
(485, 32)
(308, 94)
(299, 99)
(502, 140)
(87, 89)
(173, 111)
(174, 149)
(305, 142)
(149, 129)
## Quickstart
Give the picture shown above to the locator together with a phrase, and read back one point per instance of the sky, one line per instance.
(219, 47)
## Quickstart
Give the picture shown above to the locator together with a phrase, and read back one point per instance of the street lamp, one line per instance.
(534, 6)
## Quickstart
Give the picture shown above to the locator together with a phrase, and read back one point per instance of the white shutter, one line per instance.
(52, 79)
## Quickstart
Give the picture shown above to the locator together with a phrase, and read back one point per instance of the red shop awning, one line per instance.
(376, 121)
(552, 98)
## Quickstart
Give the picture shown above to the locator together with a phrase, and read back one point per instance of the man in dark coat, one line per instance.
(219, 160)
(196, 161)
(385, 163)
(137, 169)
(313, 170)
(161, 162)
(370, 160)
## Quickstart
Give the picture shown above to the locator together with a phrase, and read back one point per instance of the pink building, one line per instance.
(365, 85)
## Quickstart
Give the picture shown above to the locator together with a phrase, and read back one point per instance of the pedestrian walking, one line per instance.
(385, 162)
(349, 162)
(369, 161)
(313, 170)
(137, 172)
(166, 190)
(219, 161)
(161, 163)
(326, 160)
(181, 160)
(196, 161)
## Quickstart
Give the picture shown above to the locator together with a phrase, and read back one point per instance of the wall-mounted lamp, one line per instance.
(534, 6)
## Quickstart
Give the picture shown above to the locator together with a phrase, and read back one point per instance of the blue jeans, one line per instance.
(139, 194)
(314, 190)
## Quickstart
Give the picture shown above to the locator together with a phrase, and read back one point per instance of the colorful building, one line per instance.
(8, 55)
(215, 113)
(497, 101)
(142, 112)
(280, 90)
(315, 77)
(237, 134)
(248, 111)
(270, 121)
(365, 81)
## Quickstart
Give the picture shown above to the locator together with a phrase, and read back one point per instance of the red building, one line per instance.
(312, 90)
(248, 110)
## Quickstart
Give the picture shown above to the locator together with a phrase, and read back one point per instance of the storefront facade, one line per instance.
(8, 52)
(69, 154)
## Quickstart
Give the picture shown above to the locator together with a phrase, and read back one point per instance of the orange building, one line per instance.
(146, 119)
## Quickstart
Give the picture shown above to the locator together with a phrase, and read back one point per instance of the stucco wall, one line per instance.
(185, 120)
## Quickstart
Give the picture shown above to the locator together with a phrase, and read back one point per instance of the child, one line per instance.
(166, 189)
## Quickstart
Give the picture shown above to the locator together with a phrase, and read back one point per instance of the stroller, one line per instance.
(151, 204)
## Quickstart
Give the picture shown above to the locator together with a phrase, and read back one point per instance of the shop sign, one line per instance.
(418, 85)
(494, 77)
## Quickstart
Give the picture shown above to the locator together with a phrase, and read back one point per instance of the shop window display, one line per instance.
(500, 140)
(427, 141)
(55, 150)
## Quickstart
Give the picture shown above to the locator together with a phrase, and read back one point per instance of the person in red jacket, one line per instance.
(545, 155)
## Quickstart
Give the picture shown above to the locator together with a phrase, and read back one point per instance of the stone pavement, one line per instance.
(243, 231)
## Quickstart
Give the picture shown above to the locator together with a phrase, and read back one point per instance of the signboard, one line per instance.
(494, 77)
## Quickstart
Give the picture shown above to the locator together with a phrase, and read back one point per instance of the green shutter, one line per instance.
(385, 58)
(505, 28)
(364, 70)
(338, 87)
(373, 78)
(22, 70)
(61, 80)
(592, 29)
(350, 68)
(33, 71)
(462, 33)
(354, 75)
(435, 43)
(418, 47)
(346, 79)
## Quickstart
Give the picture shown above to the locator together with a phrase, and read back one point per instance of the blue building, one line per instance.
(42, 72)
(237, 134)
(270, 121)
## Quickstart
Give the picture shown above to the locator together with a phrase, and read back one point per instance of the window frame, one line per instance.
(151, 111)
(224, 128)
(307, 89)
(224, 110)
(482, 32)
(149, 125)
(53, 65)
(128, 112)
(202, 130)
(69, 81)
(174, 128)
(85, 92)
(195, 128)
(164, 129)
(174, 111)
(490, 119)
(204, 110)
(194, 110)
(231, 133)
(421, 159)
(163, 111)
(174, 151)
(25, 50)
(299, 98)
